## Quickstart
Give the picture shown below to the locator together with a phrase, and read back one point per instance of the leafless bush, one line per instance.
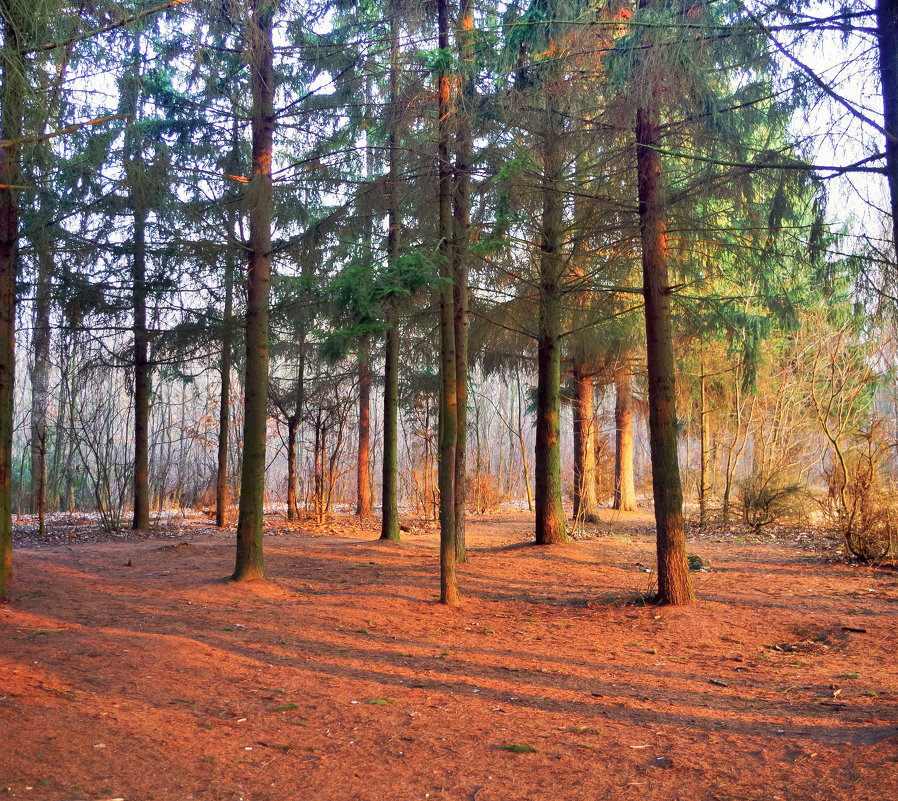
(861, 505)
(483, 493)
(102, 427)
(771, 498)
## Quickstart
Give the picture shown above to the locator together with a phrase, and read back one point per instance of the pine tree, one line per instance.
(260, 58)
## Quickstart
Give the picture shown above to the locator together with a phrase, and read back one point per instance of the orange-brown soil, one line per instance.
(132, 669)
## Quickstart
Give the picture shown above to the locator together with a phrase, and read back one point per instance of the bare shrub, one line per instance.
(861, 505)
(771, 498)
(483, 493)
(103, 424)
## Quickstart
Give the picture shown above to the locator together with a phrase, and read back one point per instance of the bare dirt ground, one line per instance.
(130, 668)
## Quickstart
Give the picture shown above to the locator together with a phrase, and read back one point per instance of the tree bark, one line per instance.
(624, 484)
(464, 147)
(260, 51)
(40, 375)
(12, 97)
(674, 586)
(142, 375)
(224, 406)
(550, 522)
(704, 482)
(135, 169)
(222, 496)
(389, 527)
(293, 423)
(363, 483)
(448, 426)
(585, 502)
(887, 35)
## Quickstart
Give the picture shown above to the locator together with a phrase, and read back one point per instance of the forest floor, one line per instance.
(131, 668)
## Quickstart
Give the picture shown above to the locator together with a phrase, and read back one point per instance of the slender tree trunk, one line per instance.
(550, 522)
(363, 484)
(585, 503)
(40, 376)
(222, 495)
(674, 586)
(448, 427)
(704, 488)
(519, 433)
(464, 149)
(319, 468)
(142, 376)
(292, 507)
(363, 470)
(389, 529)
(624, 484)
(136, 174)
(293, 423)
(12, 97)
(250, 559)
(887, 35)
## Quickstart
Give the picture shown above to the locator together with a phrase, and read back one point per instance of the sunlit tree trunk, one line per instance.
(260, 52)
(363, 484)
(448, 427)
(550, 523)
(674, 586)
(624, 484)
(464, 147)
(461, 212)
(704, 482)
(585, 503)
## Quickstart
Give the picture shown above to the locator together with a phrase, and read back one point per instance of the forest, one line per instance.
(439, 399)
(310, 256)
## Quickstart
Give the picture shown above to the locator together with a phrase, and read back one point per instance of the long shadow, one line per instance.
(621, 703)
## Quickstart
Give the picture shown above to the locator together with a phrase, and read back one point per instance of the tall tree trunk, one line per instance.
(363, 484)
(292, 507)
(135, 169)
(704, 482)
(142, 375)
(519, 434)
(448, 427)
(389, 529)
(293, 423)
(550, 523)
(887, 30)
(40, 375)
(464, 148)
(43, 242)
(222, 495)
(624, 484)
(585, 503)
(674, 586)
(250, 559)
(12, 98)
